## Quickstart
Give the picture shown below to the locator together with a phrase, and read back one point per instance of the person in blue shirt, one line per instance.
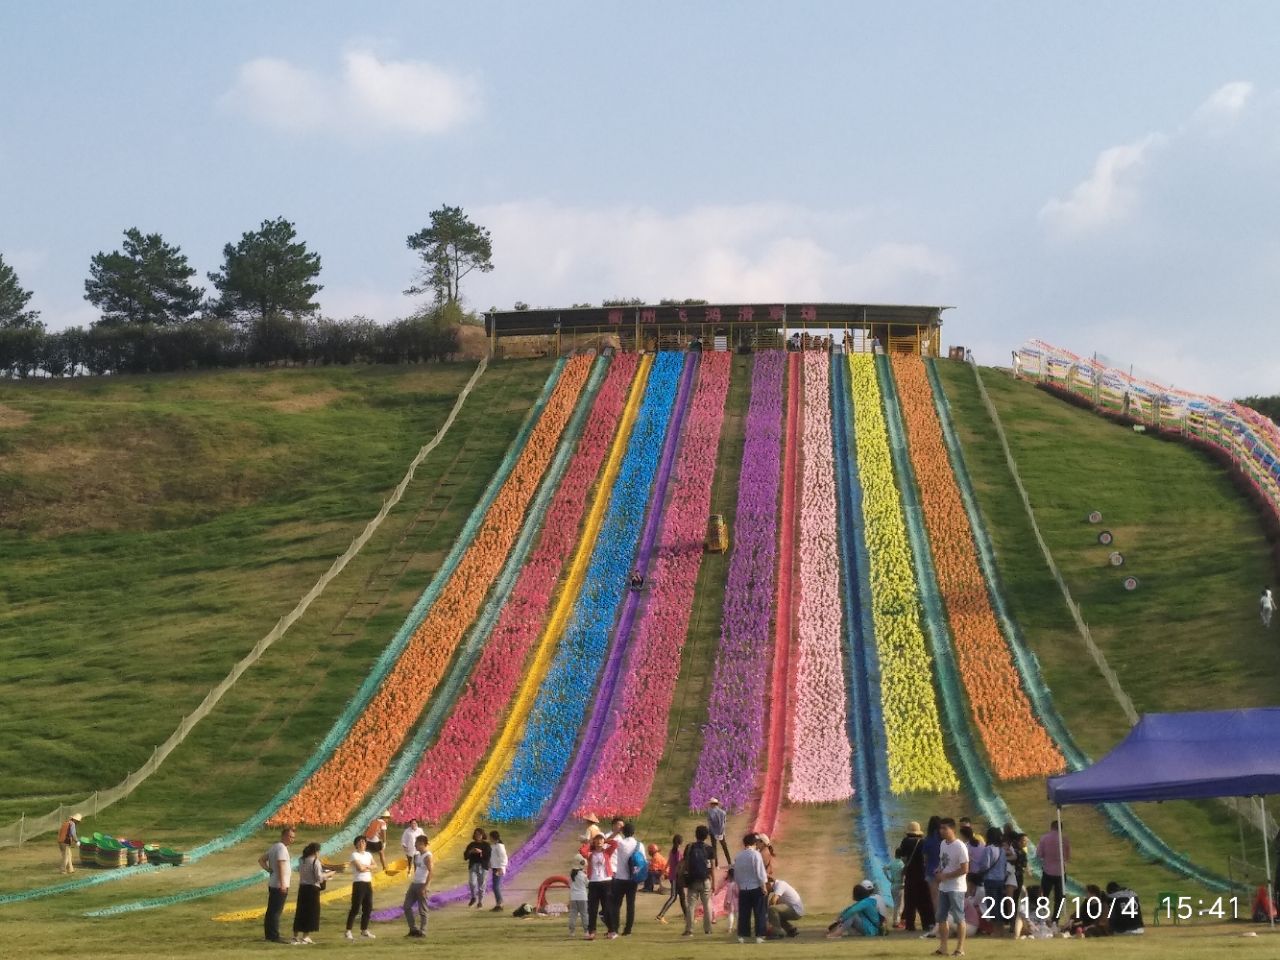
(861, 918)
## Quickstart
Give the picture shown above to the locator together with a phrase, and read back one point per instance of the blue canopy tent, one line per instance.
(1185, 756)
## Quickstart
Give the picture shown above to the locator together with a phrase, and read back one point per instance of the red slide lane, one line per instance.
(781, 681)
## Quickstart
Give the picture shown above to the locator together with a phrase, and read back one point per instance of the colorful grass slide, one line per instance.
(866, 717)
(355, 767)
(625, 768)
(781, 680)
(463, 742)
(652, 496)
(734, 734)
(821, 769)
(368, 687)
(916, 751)
(997, 702)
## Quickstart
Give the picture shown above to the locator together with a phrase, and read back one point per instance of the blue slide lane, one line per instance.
(866, 719)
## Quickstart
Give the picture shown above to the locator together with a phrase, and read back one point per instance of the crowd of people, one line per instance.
(949, 881)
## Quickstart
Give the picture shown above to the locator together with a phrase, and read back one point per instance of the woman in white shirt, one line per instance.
(361, 888)
(311, 880)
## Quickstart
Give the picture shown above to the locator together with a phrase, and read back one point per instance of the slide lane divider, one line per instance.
(624, 771)
(355, 706)
(351, 773)
(1121, 817)
(459, 825)
(865, 722)
(733, 736)
(562, 802)
(781, 681)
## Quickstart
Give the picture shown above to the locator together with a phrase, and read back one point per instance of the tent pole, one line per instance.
(1266, 861)
(1061, 858)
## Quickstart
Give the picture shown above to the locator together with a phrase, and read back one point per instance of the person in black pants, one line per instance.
(361, 889)
(624, 887)
(916, 896)
(277, 864)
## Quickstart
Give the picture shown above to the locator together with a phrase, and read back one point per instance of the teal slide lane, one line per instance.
(1121, 817)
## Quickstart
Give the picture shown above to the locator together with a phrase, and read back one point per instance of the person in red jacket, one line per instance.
(599, 854)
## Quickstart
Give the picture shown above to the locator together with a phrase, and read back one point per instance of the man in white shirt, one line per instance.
(279, 873)
(785, 906)
(750, 876)
(409, 840)
(416, 897)
(953, 865)
(624, 886)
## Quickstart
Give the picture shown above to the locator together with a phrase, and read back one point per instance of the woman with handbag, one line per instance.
(917, 897)
(312, 877)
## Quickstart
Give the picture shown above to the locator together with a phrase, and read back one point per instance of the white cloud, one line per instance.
(369, 95)
(1225, 103)
(1110, 193)
(548, 255)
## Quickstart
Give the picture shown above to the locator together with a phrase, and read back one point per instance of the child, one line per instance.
(893, 871)
(578, 895)
(726, 901)
(497, 866)
(657, 870)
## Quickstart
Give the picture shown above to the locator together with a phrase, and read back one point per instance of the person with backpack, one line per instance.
(697, 878)
(68, 840)
(629, 868)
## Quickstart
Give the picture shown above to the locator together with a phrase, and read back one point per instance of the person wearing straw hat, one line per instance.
(68, 839)
(916, 896)
(376, 838)
(593, 827)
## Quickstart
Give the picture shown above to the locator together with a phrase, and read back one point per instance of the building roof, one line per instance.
(834, 315)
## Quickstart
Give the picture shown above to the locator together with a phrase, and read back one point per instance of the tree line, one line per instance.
(262, 310)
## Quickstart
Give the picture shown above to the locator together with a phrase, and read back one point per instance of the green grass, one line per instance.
(116, 628)
(1187, 639)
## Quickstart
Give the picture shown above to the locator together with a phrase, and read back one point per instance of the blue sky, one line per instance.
(1100, 175)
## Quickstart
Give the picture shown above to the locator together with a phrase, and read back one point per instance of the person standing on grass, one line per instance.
(279, 872)
(598, 853)
(953, 865)
(916, 900)
(674, 875)
(697, 877)
(423, 866)
(995, 868)
(312, 876)
(932, 846)
(376, 838)
(1054, 850)
(361, 888)
(1267, 606)
(624, 885)
(578, 895)
(477, 857)
(749, 872)
(409, 840)
(497, 867)
(716, 818)
(68, 840)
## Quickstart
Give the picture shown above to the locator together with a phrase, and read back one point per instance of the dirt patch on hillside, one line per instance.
(11, 417)
(299, 403)
(472, 342)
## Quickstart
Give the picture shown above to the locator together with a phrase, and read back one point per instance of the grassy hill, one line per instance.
(153, 528)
